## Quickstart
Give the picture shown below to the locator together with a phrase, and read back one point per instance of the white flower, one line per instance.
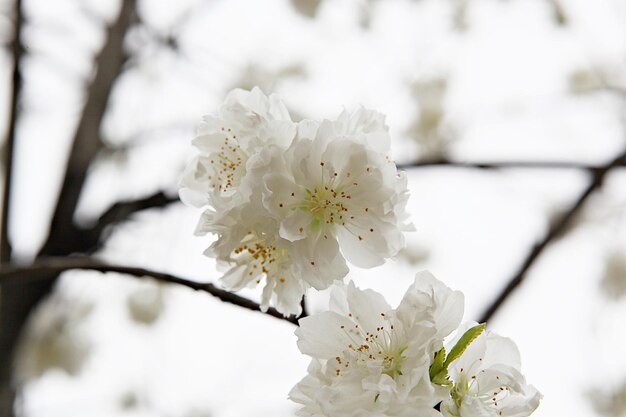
(146, 303)
(614, 281)
(251, 252)
(337, 183)
(247, 122)
(488, 382)
(53, 338)
(371, 360)
(281, 205)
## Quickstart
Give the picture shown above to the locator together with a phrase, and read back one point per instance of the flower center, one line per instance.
(261, 257)
(489, 390)
(327, 205)
(381, 348)
(228, 164)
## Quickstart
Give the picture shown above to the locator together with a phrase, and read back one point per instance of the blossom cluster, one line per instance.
(369, 360)
(291, 202)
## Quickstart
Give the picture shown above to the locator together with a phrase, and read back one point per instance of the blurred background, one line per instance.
(508, 117)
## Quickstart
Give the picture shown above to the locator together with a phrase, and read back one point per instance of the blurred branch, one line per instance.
(54, 266)
(507, 165)
(17, 299)
(616, 89)
(17, 50)
(121, 211)
(7, 393)
(63, 237)
(556, 231)
(559, 13)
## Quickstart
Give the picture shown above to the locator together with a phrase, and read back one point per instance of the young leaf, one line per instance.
(463, 343)
(438, 372)
(438, 362)
(442, 379)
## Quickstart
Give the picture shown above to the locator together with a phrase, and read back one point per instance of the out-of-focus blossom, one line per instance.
(52, 339)
(307, 8)
(609, 403)
(429, 130)
(266, 78)
(614, 281)
(586, 80)
(146, 303)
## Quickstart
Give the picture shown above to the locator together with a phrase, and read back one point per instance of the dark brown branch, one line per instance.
(117, 213)
(16, 52)
(18, 298)
(7, 393)
(506, 165)
(63, 237)
(556, 231)
(305, 311)
(54, 266)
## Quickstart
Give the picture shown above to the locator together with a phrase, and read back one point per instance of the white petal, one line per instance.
(307, 129)
(367, 307)
(319, 263)
(448, 304)
(356, 251)
(322, 335)
(236, 278)
(296, 225)
(289, 293)
(278, 198)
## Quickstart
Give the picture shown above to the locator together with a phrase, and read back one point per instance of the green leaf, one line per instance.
(442, 379)
(463, 343)
(438, 372)
(438, 362)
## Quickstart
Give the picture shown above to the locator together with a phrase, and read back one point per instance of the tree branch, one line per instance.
(7, 393)
(16, 52)
(18, 299)
(120, 212)
(556, 230)
(63, 237)
(54, 266)
(507, 165)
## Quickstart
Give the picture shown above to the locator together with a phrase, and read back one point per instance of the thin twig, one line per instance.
(117, 213)
(17, 50)
(54, 266)
(556, 231)
(506, 165)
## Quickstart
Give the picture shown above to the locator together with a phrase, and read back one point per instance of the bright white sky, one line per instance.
(508, 97)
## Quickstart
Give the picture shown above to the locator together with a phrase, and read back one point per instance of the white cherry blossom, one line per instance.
(371, 360)
(247, 122)
(251, 252)
(281, 206)
(337, 182)
(488, 382)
